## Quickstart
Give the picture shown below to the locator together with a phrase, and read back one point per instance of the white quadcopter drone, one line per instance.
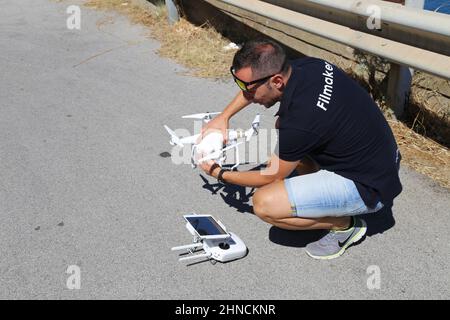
(211, 146)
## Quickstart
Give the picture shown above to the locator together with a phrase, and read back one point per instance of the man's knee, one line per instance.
(261, 204)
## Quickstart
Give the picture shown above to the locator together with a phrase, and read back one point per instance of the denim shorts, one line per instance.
(325, 194)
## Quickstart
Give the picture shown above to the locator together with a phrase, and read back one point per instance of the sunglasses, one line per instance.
(243, 85)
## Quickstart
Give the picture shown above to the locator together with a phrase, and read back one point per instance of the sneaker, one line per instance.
(334, 243)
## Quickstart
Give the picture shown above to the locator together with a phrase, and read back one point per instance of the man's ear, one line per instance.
(278, 82)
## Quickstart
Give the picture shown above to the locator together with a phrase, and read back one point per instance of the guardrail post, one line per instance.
(172, 11)
(398, 88)
(400, 77)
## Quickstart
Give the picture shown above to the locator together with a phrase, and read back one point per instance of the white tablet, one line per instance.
(206, 227)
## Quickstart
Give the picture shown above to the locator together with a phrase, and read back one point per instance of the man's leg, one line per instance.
(321, 200)
(271, 204)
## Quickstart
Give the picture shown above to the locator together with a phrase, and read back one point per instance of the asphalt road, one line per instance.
(82, 182)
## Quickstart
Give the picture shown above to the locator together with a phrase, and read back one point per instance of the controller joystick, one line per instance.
(224, 246)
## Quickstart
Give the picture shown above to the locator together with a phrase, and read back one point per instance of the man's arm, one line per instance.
(277, 170)
(221, 121)
(239, 102)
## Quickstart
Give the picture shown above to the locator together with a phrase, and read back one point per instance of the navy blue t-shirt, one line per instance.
(326, 115)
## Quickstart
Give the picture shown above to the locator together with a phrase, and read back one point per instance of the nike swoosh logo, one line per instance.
(341, 244)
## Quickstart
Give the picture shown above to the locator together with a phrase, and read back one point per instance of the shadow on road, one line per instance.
(233, 195)
(380, 221)
(291, 238)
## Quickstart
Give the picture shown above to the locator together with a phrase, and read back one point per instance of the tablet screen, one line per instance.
(205, 226)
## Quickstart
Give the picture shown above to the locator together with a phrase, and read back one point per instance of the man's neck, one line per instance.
(288, 75)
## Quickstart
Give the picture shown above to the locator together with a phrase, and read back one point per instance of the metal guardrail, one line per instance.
(413, 18)
(417, 58)
(410, 25)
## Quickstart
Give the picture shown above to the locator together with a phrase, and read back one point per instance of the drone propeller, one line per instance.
(216, 154)
(254, 129)
(203, 116)
(174, 139)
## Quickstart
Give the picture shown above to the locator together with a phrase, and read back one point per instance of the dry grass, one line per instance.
(200, 49)
(422, 154)
(133, 10)
(430, 114)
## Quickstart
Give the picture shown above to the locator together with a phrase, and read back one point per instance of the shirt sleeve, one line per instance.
(294, 144)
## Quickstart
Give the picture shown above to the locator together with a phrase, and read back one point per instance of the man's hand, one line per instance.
(210, 167)
(219, 123)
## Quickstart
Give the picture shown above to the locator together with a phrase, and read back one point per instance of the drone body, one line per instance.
(211, 146)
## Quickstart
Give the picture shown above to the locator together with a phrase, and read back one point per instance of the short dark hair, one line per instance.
(264, 56)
